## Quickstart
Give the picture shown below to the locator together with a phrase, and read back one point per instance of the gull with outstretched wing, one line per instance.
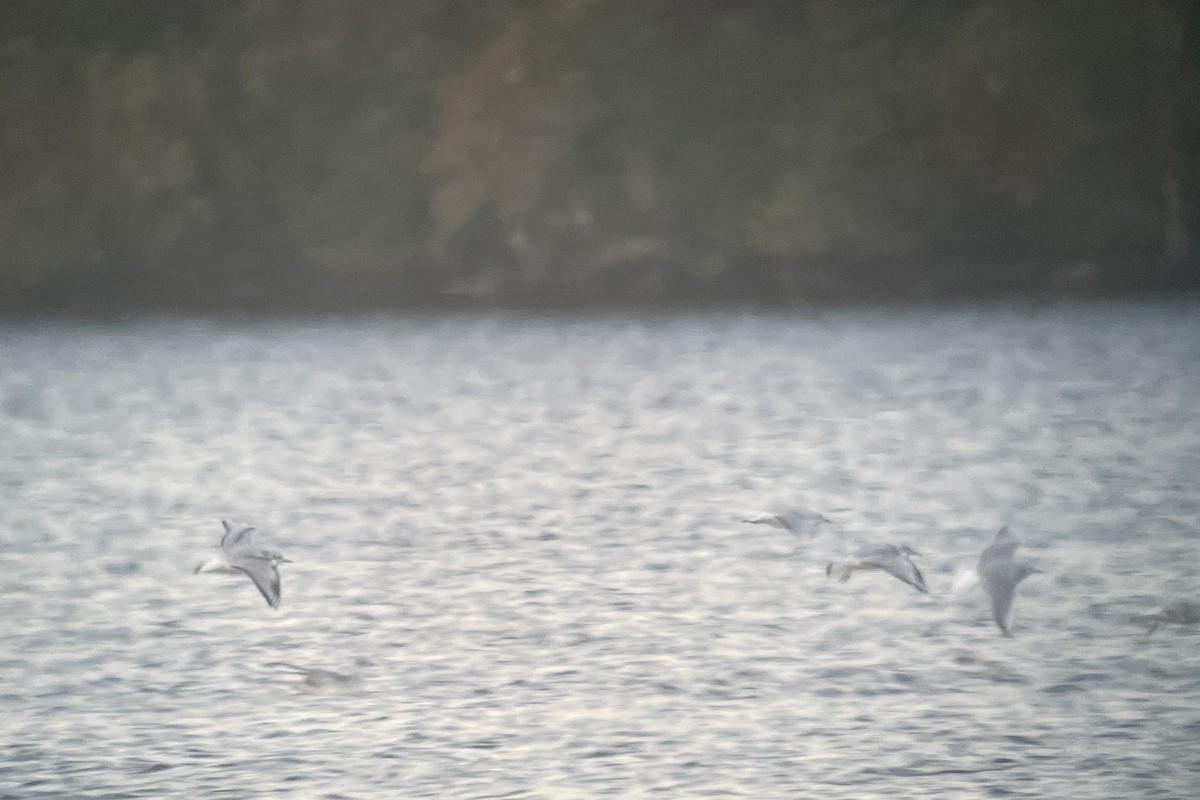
(800, 521)
(1000, 574)
(241, 555)
(893, 559)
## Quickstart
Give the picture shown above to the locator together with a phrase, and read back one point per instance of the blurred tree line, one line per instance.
(337, 153)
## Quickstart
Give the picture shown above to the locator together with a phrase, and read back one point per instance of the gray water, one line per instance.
(530, 527)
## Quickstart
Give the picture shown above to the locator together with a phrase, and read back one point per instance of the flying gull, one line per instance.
(797, 520)
(890, 558)
(239, 554)
(1000, 572)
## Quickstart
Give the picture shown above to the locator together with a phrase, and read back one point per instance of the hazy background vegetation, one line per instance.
(341, 154)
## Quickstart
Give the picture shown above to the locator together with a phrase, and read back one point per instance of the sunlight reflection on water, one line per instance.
(529, 526)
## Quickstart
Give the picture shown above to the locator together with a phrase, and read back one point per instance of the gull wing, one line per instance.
(765, 519)
(796, 520)
(265, 575)
(233, 540)
(243, 544)
(998, 581)
(998, 574)
(1003, 547)
(890, 559)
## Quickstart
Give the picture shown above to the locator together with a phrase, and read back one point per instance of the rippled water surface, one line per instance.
(529, 529)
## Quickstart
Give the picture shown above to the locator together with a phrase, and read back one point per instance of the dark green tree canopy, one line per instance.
(320, 153)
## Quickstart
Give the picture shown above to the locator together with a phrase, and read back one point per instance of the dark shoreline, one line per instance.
(218, 304)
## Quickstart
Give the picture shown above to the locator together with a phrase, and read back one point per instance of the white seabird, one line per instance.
(893, 559)
(239, 554)
(1179, 613)
(1000, 573)
(797, 520)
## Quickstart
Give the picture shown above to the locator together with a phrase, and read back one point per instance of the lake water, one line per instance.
(529, 527)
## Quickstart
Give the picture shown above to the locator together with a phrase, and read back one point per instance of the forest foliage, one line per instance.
(329, 153)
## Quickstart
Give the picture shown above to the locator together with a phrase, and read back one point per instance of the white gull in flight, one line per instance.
(1000, 573)
(797, 520)
(239, 554)
(893, 559)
